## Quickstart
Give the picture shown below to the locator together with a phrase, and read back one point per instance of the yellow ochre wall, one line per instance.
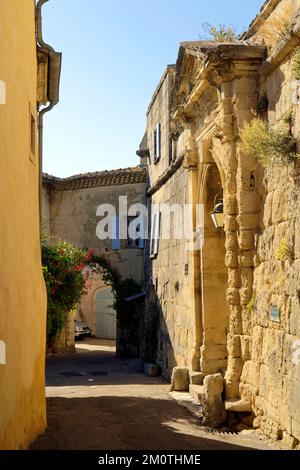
(22, 290)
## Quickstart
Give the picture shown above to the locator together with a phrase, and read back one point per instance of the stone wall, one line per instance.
(172, 270)
(239, 282)
(172, 276)
(273, 369)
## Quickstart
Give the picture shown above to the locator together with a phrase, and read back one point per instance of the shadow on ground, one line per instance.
(94, 368)
(123, 423)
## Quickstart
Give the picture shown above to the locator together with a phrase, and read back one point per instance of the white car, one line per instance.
(81, 329)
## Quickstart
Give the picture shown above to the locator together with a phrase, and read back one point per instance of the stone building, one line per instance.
(70, 211)
(29, 78)
(230, 312)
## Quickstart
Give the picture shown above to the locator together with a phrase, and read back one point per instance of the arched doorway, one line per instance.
(105, 314)
(214, 280)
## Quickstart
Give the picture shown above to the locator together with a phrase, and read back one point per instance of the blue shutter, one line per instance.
(116, 242)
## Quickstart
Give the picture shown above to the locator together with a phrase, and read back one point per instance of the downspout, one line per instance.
(52, 100)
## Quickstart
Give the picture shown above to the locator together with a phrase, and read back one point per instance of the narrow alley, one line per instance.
(97, 401)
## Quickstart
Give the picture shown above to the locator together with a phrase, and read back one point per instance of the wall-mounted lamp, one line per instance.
(217, 214)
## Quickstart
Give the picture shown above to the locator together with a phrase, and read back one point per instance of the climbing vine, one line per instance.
(66, 281)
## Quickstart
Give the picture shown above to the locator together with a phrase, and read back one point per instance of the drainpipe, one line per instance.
(52, 97)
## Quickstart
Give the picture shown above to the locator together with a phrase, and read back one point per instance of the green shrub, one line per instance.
(269, 146)
(251, 306)
(63, 269)
(284, 251)
(221, 33)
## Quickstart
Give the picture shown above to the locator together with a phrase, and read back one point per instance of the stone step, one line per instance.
(186, 400)
(238, 405)
(196, 378)
(196, 392)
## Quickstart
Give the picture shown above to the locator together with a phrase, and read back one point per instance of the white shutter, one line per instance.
(154, 144)
(155, 233)
(158, 141)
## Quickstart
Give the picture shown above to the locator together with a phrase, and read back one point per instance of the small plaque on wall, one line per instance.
(275, 314)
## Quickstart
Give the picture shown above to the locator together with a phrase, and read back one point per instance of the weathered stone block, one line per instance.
(248, 201)
(234, 345)
(230, 204)
(231, 259)
(246, 239)
(231, 242)
(180, 379)
(297, 238)
(294, 321)
(233, 296)
(245, 295)
(279, 206)
(264, 381)
(234, 280)
(238, 406)
(248, 393)
(247, 277)
(213, 405)
(248, 221)
(246, 259)
(257, 343)
(289, 441)
(152, 370)
(251, 373)
(230, 223)
(267, 210)
(235, 320)
(234, 369)
(246, 346)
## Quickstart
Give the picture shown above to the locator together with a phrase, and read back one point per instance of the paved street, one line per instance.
(96, 401)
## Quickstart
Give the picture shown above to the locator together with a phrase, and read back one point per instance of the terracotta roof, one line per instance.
(97, 179)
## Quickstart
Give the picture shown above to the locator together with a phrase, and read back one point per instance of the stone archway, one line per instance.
(214, 280)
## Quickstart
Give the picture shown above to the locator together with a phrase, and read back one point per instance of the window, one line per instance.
(172, 150)
(155, 233)
(132, 242)
(157, 143)
(137, 241)
(116, 242)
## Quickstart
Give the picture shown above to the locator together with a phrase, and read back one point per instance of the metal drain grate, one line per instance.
(98, 373)
(72, 374)
(94, 373)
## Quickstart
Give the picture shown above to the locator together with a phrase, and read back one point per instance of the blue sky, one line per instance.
(114, 53)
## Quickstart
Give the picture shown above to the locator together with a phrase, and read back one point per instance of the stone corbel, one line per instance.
(189, 159)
